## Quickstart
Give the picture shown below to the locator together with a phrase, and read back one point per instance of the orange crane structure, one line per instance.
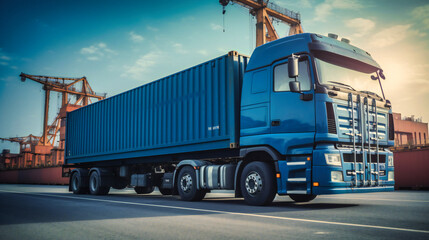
(24, 158)
(43, 151)
(66, 86)
(263, 10)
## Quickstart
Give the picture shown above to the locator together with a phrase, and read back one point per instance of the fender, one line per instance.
(192, 163)
(273, 153)
(243, 153)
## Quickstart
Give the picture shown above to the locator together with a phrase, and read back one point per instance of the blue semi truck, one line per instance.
(305, 115)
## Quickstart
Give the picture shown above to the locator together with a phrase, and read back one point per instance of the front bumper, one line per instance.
(360, 178)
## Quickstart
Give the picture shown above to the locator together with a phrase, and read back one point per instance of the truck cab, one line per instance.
(318, 104)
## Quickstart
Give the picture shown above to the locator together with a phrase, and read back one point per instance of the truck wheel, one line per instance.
(95, 187)
(144, 190)
(302, 197)
(257, 183)
(165, 191)
(77, 184)
(187, 187)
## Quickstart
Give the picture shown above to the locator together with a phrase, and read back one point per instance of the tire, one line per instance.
(258, 184)
(186, 185)
(144, 190)
(302, 197)
(77, 184)
(165, 191)
(95, 187)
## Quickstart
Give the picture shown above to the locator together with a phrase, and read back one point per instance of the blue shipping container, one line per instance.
(197, 109)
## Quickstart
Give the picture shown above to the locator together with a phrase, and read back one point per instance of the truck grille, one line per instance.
(348, 157)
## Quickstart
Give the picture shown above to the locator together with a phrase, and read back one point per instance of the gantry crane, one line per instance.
(24, 158)
(263, 10)
(65, 86)
(23, 141)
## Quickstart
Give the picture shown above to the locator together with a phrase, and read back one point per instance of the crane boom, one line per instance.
(65, 86)
(263, 10)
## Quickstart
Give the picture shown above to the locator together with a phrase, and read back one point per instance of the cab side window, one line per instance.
(281, 77)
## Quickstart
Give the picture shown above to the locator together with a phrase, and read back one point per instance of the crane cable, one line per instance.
(223, 20)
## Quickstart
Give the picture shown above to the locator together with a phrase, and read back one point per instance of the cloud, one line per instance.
(178, 47)
(96, 51)
(142, 65)
(8, 79)
(135, 37)
(203, 52)
(422, 14)
(390, 36)
(153, 29)
(216, 27)
(93, 58)
(323, 10)
(222, 50)
(361, 26)
(4, 57)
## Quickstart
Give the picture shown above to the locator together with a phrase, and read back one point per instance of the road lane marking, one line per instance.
(377, 199)
(223, 212)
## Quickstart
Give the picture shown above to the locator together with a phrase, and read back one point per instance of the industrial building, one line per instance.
(411, 152)
(410, 131)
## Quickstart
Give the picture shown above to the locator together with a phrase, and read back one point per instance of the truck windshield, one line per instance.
(331, 74)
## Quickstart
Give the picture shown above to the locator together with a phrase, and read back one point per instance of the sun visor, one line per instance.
(346, 57)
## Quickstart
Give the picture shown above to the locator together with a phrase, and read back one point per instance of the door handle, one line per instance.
(275, 123)
(306, 96)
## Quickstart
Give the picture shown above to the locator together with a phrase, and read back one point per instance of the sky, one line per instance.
(119, 45)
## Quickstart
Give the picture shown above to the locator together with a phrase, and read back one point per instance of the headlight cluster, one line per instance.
(390, 161)
(337, 176)
(333, 159)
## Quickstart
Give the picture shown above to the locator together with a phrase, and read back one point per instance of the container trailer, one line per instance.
(305, 115)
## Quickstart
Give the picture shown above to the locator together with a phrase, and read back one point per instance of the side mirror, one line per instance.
(295, 86)
(293, 66)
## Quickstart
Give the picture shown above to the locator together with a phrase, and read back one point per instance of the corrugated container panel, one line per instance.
(193, 110)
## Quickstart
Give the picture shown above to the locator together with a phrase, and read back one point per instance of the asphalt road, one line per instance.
(51, 212)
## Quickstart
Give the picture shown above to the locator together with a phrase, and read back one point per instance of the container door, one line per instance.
(292, 112)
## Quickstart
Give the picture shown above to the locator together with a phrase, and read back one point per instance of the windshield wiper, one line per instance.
(342, 84)
(371, 93)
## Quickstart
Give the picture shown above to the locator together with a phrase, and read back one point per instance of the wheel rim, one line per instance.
(93, 183)
(186, 182)
(253, 183)
(75, 182)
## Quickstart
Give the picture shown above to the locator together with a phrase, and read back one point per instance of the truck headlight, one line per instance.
(391, 176)
(390, 161)
(337, 176)
(333, 159)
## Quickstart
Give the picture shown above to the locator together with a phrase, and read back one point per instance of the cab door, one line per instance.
(292, 112)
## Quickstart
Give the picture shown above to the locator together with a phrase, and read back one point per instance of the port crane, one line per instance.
(65, 86)
(263, 10)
